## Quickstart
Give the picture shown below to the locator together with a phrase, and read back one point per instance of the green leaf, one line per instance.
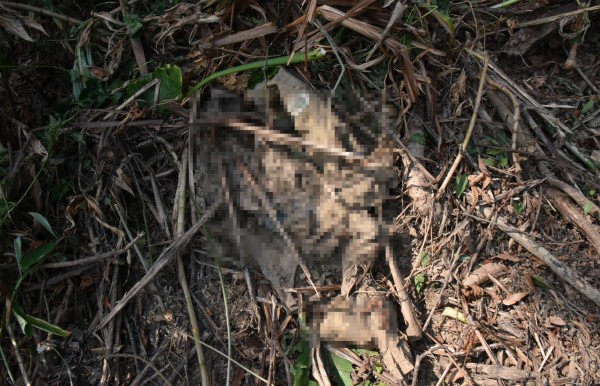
(18, 252)
(32, 258)
(425, 257)
(489, 162)
(46, 326)
(280, 61)
(445, 21)
(518, 206)
(170, 82)
(258, 76)
(462, 182)
(170, 86)
(43, 222)
(420, 280)
(301, 368)
(417, 138)
(588, 207)
(344, 369)
(27, 322)
(503, 160)
(20, 316)
(587, 107)
(362, 351)
(134, 23)
(493, 151)
(539, 282)
(465, 258)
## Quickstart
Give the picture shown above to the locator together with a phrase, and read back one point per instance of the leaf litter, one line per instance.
(494, 178)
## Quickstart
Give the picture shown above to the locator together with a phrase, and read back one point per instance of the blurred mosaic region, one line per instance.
(302, 175)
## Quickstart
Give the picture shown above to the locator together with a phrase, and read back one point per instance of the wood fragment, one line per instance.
(502, 372)
(482, 274)
(414, 330)
(576, 216)
(560, 269)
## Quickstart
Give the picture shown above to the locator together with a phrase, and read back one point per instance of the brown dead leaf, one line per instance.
(98, 72)
(123, 180)
(473, 292)
(507, 256)
(514, 298)
(107, 303)
(37, 147)
(482, 166)
(557, 321)
(475, 195)
(455, 375)
(94, 208)
(494, 295)
(29, 22)
(458, 89)
(87, 282)
(76, 203)
(593, 318)
(15, 27)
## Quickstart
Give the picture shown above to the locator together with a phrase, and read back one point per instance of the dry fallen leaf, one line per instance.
(556, 321)
(507, 256)
(514, 298)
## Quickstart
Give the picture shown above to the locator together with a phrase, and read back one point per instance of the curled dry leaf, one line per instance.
(507, 256)
(473, 292)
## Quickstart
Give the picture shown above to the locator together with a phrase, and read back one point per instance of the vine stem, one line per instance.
(280, 61)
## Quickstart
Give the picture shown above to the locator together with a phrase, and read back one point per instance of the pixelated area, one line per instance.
(364, 321)
(302, 176)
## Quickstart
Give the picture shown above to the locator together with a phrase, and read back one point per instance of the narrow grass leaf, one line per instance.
(43, 222)
(18, 252)
(27, 322)
(34, 257)
(20, 316)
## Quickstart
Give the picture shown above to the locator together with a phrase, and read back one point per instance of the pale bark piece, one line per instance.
(575, 215)
(505, 373)
(560, 269)
(398, 360)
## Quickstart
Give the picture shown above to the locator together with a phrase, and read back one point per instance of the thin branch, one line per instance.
(463, 148)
